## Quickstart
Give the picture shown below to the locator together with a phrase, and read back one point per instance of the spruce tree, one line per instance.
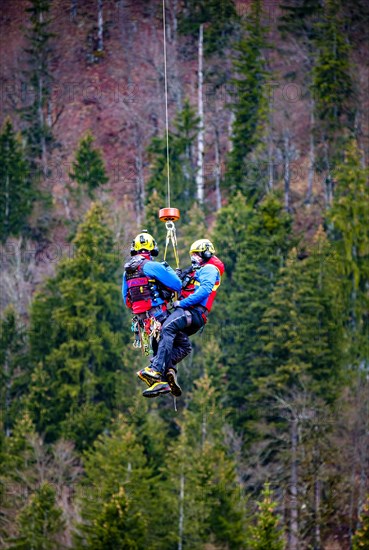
(40, 523)
(350, 234)
(181, 160)
(332, 88)
(117, 503)
(18, 471)
(302, 328)
(205, 497)
(78, 344)
(250, 106)
(38, 81)
(15, 187)
(88, 168)
(267, 534)
(219, 18)
(113, 526)
(266, 240)
(13, 374)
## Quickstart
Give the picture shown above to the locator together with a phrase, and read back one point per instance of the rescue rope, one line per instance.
(166, 103)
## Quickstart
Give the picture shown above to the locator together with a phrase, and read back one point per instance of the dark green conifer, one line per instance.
(116, 504)
(181, 160)
(250, 106)
(40, 522)
(37, 82)
(332, 87)
(13, 376)
(263, 247)
(15, 186)
(77, 341)
(205, 497)
(218, 17)
(88, 168)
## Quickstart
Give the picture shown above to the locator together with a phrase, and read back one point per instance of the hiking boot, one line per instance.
(149, 375)
(175, 388)
(156, 389)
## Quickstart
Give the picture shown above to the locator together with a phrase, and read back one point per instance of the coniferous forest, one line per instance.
(268, 141)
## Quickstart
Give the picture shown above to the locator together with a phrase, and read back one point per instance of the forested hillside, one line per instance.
(268, 142)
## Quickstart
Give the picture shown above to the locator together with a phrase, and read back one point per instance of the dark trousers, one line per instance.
(174, 344)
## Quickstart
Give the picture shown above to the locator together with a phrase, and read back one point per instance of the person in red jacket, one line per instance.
(189, 316)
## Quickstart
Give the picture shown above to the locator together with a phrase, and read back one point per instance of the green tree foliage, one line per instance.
(38, 80)
(351, 240)
(88, 168)
(114, 527)
(13, 376)
(332, 86)
(349, 216)
(204, 493)
(250, 105)
(18, 474)
(77, 344)
(40, 522)
(299, 18)
(181, 160)
(263, 247)
(218, 17)
(267, 534)
(360, 540)
(118, 500)
(15, 188)
(302, 328)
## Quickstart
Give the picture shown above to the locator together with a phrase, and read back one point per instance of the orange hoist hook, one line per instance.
(169, 216)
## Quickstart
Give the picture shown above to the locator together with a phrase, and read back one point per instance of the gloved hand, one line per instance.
(179, 272)
(177, 303)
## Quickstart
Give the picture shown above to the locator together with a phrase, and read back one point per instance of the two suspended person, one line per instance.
(148, 290)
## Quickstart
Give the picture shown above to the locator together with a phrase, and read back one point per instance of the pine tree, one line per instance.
(360, 540)
(38, 80)
(205, 498)
(302, 328)
(267, 534)
(266, 240)
(181, 161)
(39, 523)
(88, 168)
(350, 234)
(18, 472)
(332, 89)
(219, 18)
(15, 187)
(250, 106)
(113, 527)
(117, 504)
(13, 375)
(77, 345)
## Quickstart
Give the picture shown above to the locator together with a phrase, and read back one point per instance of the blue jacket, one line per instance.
(161, 273)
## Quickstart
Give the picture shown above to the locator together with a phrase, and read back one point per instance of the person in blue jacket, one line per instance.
(190, 315)
(147, 287)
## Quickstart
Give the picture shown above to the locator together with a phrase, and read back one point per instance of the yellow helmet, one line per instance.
(204, 248)
(144, 241)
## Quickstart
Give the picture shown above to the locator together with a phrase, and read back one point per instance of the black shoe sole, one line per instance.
(175, 388)
(155, 394)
